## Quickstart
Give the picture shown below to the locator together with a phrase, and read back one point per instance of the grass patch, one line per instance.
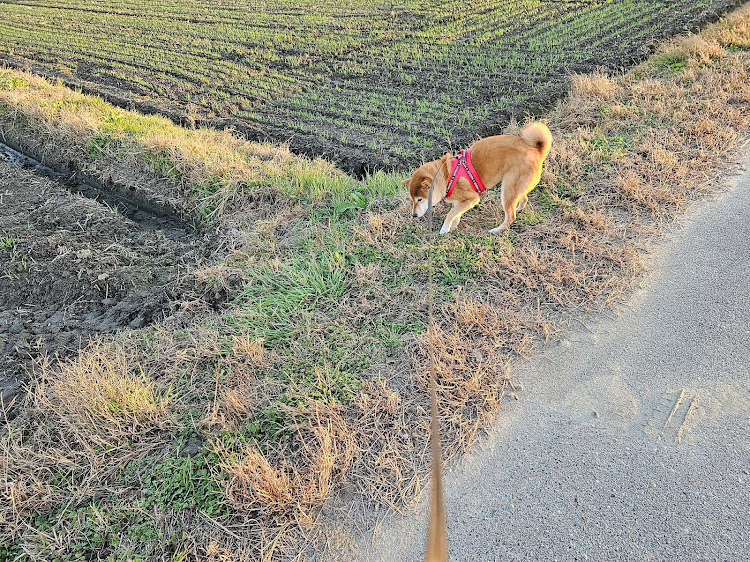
(276, 303)
(90, 525)
(9, 81)
(460, 259)
(672, 62)
(184, 483)
(608, 147)
(547, 200)
(101, 393)
(213, 171)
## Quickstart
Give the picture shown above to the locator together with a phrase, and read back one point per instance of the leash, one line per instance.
(437, 534)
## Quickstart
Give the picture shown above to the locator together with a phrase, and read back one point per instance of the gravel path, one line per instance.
(631, 440)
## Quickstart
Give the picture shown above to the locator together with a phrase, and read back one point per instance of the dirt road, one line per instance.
(631, 440)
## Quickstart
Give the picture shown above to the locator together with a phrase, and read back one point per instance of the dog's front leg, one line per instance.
(454, 215)
(446, 228)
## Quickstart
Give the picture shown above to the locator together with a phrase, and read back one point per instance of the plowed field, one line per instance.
(370, 83)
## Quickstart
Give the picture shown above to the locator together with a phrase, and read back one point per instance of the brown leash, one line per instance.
(437, 534)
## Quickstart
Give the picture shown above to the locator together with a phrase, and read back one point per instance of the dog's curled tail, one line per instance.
(538, 135)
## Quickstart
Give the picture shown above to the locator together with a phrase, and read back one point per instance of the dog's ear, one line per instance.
(446, 156)
(406, 181)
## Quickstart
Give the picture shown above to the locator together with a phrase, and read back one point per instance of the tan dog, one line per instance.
(516, 161)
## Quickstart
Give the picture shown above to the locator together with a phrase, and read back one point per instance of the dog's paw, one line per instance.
(497, 230)
(445, 229)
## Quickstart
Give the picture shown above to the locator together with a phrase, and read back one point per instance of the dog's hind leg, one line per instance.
(521, 205)
(454, 215)
(513, 195)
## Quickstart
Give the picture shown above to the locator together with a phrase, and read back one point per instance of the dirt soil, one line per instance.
(72, 267)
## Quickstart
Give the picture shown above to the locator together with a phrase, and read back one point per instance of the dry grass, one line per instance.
(630, 153)
(91, 415)
(326, 450)
(105, 393)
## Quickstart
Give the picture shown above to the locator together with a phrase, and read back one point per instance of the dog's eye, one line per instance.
(418, 200)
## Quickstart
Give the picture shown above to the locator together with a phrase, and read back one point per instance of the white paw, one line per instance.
(445, 229)
(497, 230)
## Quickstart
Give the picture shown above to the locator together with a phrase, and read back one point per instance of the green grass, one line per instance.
(611, 146)
(459, 259)
(90, 525)
(274, 303)
(10, 551)
(123, 530)
(672, 62)
(185, 483)
(9, 82)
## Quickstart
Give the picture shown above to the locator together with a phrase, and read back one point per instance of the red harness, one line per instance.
(461, 167)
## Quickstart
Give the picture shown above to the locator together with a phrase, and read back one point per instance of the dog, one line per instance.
(516, 161)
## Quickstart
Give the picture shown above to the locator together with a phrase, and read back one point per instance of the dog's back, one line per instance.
(495, 157)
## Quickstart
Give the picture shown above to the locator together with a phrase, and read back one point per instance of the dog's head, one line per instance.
(419, 185)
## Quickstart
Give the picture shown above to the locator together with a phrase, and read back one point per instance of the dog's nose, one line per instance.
(414, 215)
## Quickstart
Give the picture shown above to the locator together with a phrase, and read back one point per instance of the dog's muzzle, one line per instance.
(420, 210)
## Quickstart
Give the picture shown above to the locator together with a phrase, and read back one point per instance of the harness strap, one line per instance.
(461, 166)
